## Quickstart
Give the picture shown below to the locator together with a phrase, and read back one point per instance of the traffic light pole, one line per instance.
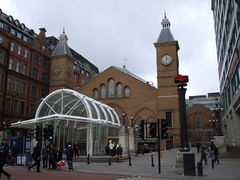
(183, 118)
(159, 155)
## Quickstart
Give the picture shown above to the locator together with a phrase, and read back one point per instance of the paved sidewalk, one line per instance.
(141, 168)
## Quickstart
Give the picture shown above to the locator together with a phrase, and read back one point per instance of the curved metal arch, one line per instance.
(85, 100)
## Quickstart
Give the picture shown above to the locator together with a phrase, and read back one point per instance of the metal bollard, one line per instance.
(109, 162)
(130, 163)
(199, 169)
(152, 160)
(88, 159)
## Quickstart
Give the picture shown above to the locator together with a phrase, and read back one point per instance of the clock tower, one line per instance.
(167, 68)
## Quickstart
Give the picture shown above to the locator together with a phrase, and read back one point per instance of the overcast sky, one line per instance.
(118, 32)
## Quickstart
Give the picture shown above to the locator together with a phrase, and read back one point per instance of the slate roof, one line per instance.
(62, 47)
(165, 34)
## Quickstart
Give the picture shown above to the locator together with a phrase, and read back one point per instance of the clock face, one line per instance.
(166, 60)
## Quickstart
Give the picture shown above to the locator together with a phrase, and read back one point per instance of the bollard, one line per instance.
(152, 160)
(109, 161)
(130, 163)
(88, 159)
(199, 169)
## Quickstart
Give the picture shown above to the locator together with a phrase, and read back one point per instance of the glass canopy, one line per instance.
(71, 105)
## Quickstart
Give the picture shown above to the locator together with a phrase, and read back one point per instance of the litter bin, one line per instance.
(189, 164)
(199, 169)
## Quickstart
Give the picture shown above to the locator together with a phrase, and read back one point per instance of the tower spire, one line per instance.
(165, 34)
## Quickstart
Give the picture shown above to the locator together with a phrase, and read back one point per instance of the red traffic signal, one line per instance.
(181, 79)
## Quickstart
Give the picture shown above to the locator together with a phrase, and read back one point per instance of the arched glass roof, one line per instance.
(71, 105)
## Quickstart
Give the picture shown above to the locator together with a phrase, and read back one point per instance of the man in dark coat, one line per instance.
(69, 154)
(36, 157)
(4, 150)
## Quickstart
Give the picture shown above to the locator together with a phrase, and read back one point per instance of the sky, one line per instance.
(122, 32)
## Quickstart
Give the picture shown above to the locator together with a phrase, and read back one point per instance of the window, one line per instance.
(35, 74)
(8, 105)
(1, 25)
(198, 121)
(119, 90)
(34, 92)
(19, 35)
(25, 69)
(1, 39)
(169, 119)
(95, 94)
(25, 38)
(127, 92)
(18, 67)
(15, 106)
(16, 87)
(44, 77)
(12, 47)
(12, 31)
(111, 88)
(22, 107)
(26, 53)
(1, 56)
(19, 50)
(45, 62)
(36, 58)
(75, 78)
(24, 87)
(11, 64)
(103, 91)
(9, 84)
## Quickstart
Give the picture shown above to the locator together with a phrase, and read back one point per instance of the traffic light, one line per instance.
(45, 133)
(38, 133)
(50, 132)
(152, 130)
(142, 129)
(164, 133)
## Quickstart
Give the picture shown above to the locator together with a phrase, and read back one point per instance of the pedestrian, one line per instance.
(118, 151)
(45, 156)
(198, 147)
(203, 154)
(69, 154)
(52, 157)
(76, 149)
(216, 154)
(112, 148)
(36, 157)
(4, 150)
(213, 157)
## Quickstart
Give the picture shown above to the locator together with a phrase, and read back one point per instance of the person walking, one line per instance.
(45, 156)
(69, 154)
(198, 147)
(36, 157)
(203, 154)
(4, 150)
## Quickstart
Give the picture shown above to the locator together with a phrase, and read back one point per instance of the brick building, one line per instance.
(25, 70)
(134, 99)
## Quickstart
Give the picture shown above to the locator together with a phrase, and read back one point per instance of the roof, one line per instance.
(66, 104)
(165, 34)
(62, 47)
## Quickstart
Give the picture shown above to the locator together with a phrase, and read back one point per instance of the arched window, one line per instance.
(127, 91)
(103, 91)
(198, 122)
(95, 94)
(111, 88)
(119, 90)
